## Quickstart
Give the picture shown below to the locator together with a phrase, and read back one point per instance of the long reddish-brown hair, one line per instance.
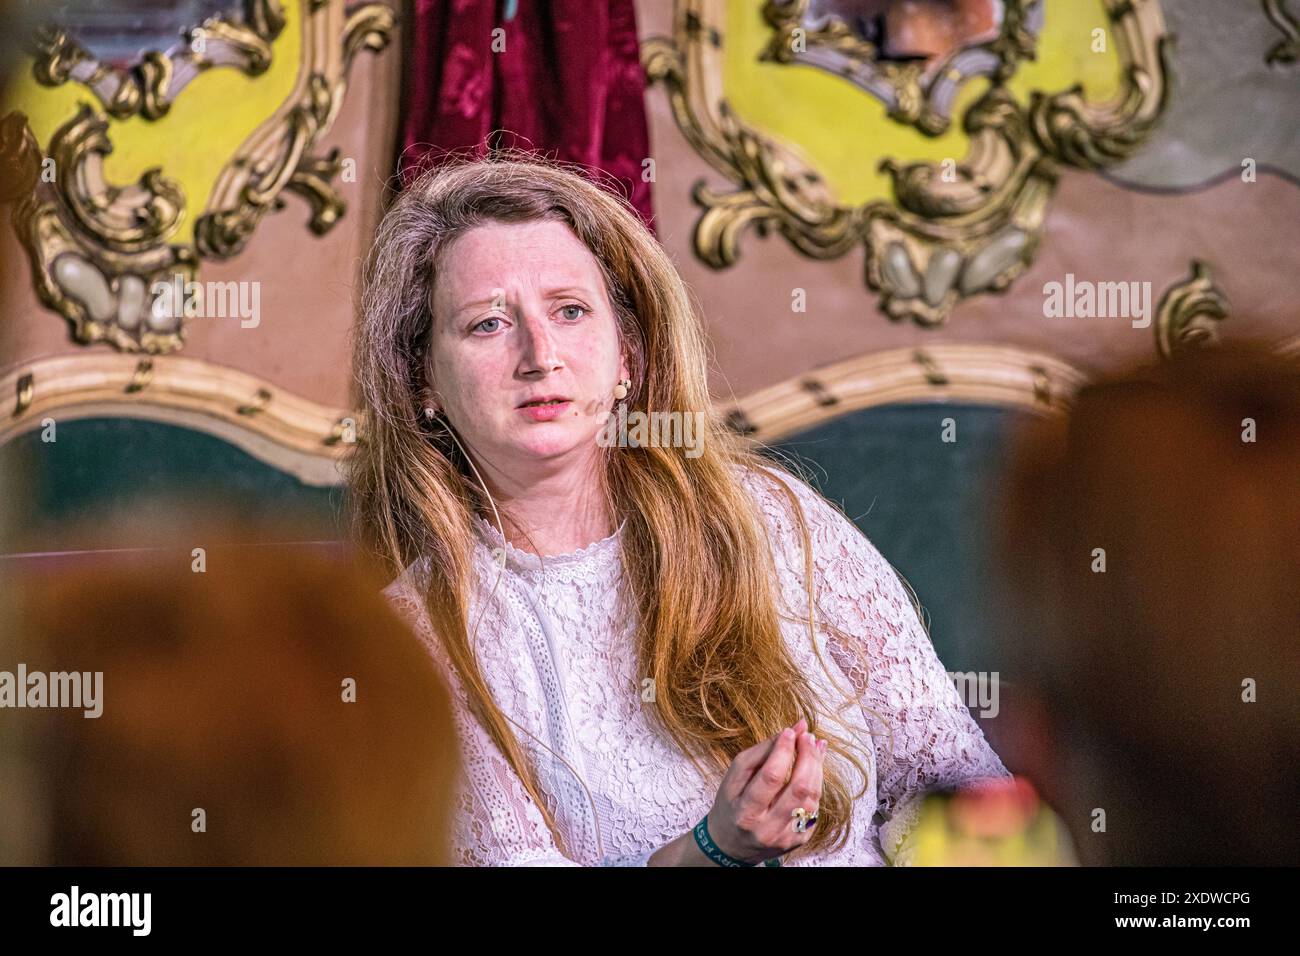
(694, 548)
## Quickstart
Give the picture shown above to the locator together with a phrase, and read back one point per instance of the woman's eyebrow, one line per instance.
(573, 287)
(549, 294)
(470, 303)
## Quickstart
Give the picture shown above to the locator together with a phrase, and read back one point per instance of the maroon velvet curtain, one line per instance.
(568, 85)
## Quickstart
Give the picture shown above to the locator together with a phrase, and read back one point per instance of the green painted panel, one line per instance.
(924, 503)
(99, 467)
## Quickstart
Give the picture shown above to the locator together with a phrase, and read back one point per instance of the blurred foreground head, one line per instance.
(1167, 686)
(228, 734)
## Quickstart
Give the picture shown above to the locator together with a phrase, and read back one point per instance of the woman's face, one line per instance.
(520, 314)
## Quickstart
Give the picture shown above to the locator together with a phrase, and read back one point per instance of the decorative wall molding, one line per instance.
(996, 375)
(977, 374)
(285, 430)
(97, 248)
(309, 440)
(947, 234)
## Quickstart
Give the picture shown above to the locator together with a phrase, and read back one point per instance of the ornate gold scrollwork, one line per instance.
(1189, 312)
(149, 86)
(20, 158)
(1286, 50)
(251, 186)
(947, 234)
(914, 92)
(1088, 136)
(97, 249)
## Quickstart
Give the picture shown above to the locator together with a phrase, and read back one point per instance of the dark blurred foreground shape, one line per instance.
(1137, 679)
(224, 690)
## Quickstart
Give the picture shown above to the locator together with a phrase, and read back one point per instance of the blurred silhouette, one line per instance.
(1152, 550)
(225, 691)
(993, 822)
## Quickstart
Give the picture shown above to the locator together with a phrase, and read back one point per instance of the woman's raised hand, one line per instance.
(752, 818)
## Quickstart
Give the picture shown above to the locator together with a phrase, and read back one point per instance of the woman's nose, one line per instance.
(540, 353)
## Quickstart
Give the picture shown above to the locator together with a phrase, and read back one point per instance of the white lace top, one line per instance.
(556, 647)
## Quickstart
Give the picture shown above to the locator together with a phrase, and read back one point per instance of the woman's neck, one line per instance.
(555, 512)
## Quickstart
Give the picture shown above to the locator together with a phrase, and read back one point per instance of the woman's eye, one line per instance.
(580, 308)
(485, 322)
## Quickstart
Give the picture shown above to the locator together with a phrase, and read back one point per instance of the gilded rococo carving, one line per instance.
(96, 247)
(946, 234)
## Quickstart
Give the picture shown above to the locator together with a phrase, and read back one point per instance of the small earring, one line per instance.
(620, 390)
(429, 412)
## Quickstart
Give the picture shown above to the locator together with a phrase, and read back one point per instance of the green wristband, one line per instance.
(715, 853)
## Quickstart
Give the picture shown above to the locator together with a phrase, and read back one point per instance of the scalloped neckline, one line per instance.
(490, 536)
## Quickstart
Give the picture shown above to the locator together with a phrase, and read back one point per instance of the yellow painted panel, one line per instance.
(210, 118)
(1065, 55)
(844, 132)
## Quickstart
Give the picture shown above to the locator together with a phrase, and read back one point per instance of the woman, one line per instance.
(656, 658)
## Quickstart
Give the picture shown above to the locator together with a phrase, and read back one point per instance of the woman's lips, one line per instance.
(545, 413)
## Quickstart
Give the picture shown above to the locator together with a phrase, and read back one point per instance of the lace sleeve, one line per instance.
(930, 741)
(497, 823)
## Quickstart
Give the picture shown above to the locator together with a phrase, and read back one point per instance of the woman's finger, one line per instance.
(805, 786)
(768, 779)
(743, 766)
(749, 760)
